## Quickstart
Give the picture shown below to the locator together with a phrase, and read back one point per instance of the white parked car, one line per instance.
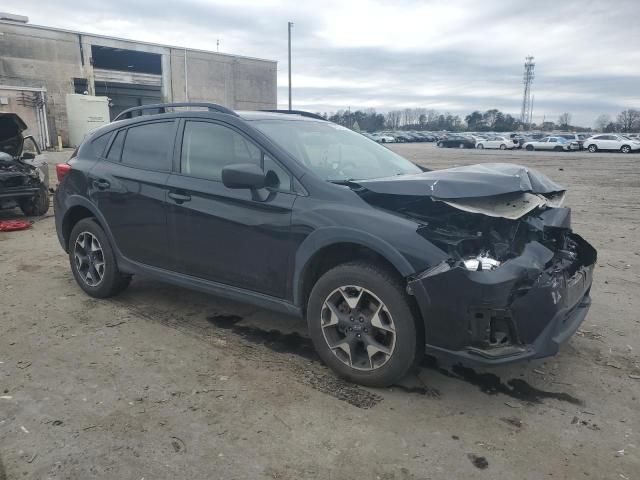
(503, 143)
(381, 138)
(612, 141)
(557, 144)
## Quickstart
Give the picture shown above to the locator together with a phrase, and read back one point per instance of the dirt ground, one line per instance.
(162, 382)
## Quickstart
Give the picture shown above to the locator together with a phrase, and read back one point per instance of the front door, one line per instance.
(229, 236)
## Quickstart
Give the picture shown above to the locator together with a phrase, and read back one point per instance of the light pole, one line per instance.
(289, 25)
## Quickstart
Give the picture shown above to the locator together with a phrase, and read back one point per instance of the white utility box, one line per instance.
(85, 113)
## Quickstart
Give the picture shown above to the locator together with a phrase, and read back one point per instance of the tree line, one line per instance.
(492, 120)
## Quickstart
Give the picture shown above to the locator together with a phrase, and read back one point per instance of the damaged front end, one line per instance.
(18, 180)
(516, 283)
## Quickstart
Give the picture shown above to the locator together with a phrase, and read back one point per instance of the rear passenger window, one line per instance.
(116, 147)
(100, 143)
(208, 147)
(149, 146)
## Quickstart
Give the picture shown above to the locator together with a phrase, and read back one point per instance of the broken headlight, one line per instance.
(481, 262)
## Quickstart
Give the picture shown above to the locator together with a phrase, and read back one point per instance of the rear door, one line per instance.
(129, 187)
(230, 236)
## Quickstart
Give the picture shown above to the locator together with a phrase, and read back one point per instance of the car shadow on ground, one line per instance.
(204, 315)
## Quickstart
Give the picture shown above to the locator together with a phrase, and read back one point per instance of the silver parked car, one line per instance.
(558, 144)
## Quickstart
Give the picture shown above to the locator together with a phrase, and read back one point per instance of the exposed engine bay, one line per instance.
(24, 173)
(480, 242)
(517, 279)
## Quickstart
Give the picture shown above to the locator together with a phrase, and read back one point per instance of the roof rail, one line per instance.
(298, 112)
(213, 107)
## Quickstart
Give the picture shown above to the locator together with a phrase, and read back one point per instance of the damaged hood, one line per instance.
(493, 189)
(11, 128)
(473, 181)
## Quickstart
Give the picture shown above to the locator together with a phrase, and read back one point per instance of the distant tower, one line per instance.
(527, 80)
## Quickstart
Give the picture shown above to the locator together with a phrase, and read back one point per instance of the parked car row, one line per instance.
(559, 142)
(401, 137)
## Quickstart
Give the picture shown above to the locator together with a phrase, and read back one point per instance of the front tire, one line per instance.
(625, 149)
(93, 262)
(592, 148)
(503, 147)
(480, 146)
(362, 325)
(37, 205)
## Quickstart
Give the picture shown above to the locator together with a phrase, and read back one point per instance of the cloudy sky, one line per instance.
(449, 55)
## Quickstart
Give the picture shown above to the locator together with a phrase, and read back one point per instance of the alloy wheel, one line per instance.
(89, 259)
(358, 328)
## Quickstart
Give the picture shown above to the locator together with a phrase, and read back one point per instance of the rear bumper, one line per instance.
(514, 313)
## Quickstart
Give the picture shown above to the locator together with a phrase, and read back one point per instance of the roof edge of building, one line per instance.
(130, 40)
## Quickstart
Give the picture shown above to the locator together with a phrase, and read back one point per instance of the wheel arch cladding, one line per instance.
(328, 247)
(78, 209)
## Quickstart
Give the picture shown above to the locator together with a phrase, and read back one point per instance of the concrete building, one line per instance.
(39, 66)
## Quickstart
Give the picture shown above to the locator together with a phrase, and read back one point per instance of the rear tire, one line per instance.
(592, 148)
(37, 205)
(557, 149)
(362, 325)
(625, 149)
(93, 262)
(480, 146)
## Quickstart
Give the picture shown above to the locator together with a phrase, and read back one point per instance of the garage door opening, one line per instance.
(109, 58)
(129, 78)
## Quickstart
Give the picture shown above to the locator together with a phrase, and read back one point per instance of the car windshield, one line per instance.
(333, 152)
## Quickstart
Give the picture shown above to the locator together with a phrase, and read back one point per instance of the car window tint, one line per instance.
(116, 147)
(100, 143)
(149, 146)
(277, 177)
(208, 147)
(553, 140)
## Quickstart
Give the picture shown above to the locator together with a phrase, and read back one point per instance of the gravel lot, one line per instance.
(161, 382)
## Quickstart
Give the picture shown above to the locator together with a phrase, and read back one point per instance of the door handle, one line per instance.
(101, 184)
(179, 197)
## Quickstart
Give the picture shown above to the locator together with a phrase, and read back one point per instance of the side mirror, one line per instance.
(243, 175)
(28, 156)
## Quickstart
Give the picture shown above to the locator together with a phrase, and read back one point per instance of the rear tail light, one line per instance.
(61, 170)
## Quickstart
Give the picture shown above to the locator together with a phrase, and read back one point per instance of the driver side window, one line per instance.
(209, 147)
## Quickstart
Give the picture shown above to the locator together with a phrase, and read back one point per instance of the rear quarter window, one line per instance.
(149, 146)
(99, 144)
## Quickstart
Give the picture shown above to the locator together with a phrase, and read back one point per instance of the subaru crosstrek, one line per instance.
(385, 260)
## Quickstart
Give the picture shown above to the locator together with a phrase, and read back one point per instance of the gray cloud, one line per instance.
(455, 56)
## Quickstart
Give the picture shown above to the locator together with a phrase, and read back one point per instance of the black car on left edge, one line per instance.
(384, 259)
(24, 173)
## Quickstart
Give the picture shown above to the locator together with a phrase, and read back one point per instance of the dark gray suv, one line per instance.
(384, 259)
